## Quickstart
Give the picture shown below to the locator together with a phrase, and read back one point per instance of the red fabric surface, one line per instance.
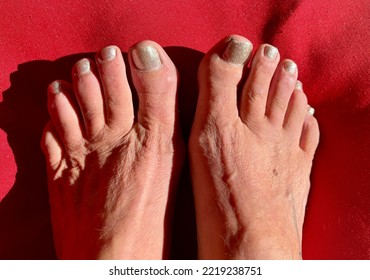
(329, 40)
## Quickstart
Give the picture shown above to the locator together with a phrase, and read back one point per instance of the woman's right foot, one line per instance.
(250, 160)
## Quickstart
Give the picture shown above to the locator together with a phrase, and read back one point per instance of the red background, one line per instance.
(329, 40)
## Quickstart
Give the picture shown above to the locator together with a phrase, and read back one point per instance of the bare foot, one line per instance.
(250, 160)
(111, 178)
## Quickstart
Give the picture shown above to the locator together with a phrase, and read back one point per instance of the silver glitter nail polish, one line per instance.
(108, 53)
(271, 52)
(310, 110)
(290, 66)
(237, 52)
(298, 85)
(83, 66)
(56, 87)
(146, 58)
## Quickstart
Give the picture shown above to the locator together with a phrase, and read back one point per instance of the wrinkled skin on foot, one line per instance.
(251, 160)
(111, 178)
(100, 196)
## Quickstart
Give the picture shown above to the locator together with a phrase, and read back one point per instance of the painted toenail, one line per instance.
(108, 53)
(56, 87)
(298, 85)
(310, 110)
(83, 66)
(237, 52)
(271, 52)
(290, 67)
(146, 58)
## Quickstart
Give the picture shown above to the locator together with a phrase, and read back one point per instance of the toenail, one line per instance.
(271, 52)
(146, 58)
(290, 67)
(56, 87)
(310, 110)
(298, 85)
(237, 52)
(108, 53)
(83, 66)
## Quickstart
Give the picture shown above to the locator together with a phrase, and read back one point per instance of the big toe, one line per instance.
(155, 78)
(219, 75)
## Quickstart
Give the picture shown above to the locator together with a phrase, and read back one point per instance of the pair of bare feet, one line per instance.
(113, 173)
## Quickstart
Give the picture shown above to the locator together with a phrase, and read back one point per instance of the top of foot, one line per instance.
(251, 154)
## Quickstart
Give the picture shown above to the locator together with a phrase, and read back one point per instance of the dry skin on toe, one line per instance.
(111, 178)
(250, 160)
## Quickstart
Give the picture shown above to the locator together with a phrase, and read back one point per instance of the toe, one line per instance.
(87, 88)
(256, 88)
(282, 86)
(64, 114)
(310, 134)
(219, 75)
(296, 112)
(155, 78)
(51, 145)
(117, 93)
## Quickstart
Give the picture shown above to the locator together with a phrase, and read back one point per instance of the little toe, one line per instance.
(51, 145)
(64, 114)
(256, 88)
(117, 92)
(155, 78)
(282, 86)
(87, 88)
(310, 133)
(219, 75)
(296, 113)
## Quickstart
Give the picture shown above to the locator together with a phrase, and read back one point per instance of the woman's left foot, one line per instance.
(111, 178)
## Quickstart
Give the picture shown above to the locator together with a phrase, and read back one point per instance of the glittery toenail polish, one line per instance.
(298, 85)
(290, 67)
(83, 66)
(146, 58)
(237, 52)
(310, 110)
(271, 52)
(56, 87)
(108, 53)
